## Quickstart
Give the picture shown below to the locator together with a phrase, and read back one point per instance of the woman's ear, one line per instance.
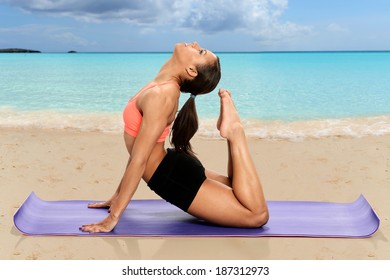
(191, 71)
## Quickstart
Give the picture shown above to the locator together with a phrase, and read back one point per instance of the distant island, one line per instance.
(72, 52)
(16, 50)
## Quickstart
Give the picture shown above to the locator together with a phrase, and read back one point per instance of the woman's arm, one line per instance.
(107, 203)
(156, 112)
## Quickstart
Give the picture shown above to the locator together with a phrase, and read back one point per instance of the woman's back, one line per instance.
(134, 109)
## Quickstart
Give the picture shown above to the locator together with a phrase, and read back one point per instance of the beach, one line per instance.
(318, 125)
(67, 164)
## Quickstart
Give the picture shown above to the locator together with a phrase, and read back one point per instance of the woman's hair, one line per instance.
(186, 122)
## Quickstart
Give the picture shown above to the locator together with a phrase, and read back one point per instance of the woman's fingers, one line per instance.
(94, 228)
(99, 205)
(106, 225)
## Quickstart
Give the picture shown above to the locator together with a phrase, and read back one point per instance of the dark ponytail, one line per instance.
(186, 122)
(185, 127)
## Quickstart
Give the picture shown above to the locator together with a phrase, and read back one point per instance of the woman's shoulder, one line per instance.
(161, 96)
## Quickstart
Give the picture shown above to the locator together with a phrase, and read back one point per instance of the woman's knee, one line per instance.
(258, 218)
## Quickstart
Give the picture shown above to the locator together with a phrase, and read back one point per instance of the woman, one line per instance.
(176, 174)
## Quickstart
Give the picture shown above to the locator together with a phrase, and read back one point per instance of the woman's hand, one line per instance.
(106, 225)
(109, 222)
(107, 204)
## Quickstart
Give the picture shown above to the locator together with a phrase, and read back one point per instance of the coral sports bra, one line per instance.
(132, 117)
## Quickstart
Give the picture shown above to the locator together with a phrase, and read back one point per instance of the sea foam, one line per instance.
(269, 130)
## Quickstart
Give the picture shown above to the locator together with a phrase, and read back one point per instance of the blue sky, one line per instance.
(230, 25)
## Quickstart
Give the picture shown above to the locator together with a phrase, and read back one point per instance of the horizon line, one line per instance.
(274, 51)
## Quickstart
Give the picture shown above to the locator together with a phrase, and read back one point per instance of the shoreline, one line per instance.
(112, 123)
(63, 164)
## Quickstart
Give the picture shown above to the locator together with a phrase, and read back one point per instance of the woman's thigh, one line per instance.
(210, 174)
(216, 203)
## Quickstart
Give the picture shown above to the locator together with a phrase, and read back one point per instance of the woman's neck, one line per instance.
(169, 72)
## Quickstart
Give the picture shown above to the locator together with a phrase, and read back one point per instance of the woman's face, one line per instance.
(193, 54)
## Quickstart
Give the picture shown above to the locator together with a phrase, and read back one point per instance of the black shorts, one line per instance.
(178, 178)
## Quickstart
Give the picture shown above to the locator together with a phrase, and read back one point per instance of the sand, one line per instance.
(62, 164)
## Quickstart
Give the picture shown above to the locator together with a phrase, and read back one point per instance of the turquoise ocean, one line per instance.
(280, 95)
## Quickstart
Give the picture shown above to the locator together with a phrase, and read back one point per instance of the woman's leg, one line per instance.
(243, 204)
(210, 174)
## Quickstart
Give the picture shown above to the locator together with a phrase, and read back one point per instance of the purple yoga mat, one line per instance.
(159, 218)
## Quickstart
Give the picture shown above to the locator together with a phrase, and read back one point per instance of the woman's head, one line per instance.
(202, 68)
(202, 74)
(207, 78)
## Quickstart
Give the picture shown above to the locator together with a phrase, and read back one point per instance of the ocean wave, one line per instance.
(101, 122)
(271, 130)
(300, 130)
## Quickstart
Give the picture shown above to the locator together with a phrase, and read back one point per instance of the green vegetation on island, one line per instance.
(16, 50)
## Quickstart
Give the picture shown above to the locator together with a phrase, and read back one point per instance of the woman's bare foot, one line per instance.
(228, 121)
(221, 92)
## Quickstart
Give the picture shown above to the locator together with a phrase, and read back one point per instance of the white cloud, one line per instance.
(72, 39)
(58, 33)
(263, 21)
(259, 18)
(30, 28)
(336, 28)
